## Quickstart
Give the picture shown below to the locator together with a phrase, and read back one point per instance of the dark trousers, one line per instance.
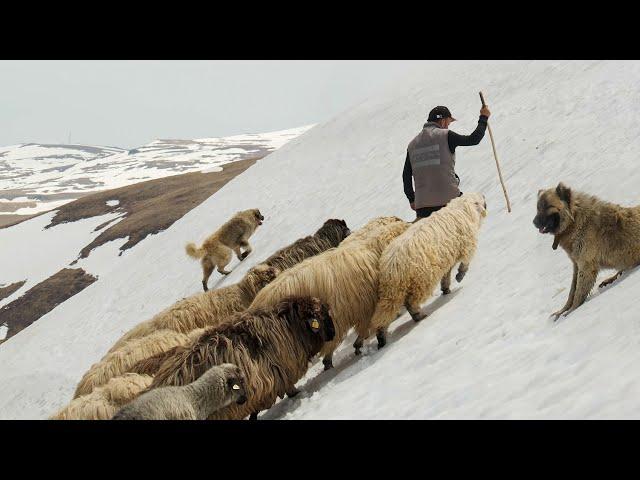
(426, 211)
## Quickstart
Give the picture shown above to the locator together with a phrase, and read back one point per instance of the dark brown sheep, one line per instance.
(272, 347)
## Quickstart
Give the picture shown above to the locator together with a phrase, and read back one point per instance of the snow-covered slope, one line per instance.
(489, 350)
(36, 178)
(29, 252)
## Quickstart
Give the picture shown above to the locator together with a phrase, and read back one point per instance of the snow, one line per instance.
(113, 203)
(40, 207)
(30, 252)
(488, 350)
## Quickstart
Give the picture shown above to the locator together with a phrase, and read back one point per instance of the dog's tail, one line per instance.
(194, 251)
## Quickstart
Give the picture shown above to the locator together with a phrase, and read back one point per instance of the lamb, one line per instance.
(218, 387)
(413, 264)
(103, 402)
(271, 346)
(345, 278)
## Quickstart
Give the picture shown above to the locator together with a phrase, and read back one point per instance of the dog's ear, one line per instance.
(540, 192)
(564, 193)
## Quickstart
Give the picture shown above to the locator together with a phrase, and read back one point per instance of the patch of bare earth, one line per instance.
(42, 298)
(13, 206)
(10, 289)
(11, 220)
(147, 207)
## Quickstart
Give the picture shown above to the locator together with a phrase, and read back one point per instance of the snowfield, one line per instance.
(488, 350)
(31, 253)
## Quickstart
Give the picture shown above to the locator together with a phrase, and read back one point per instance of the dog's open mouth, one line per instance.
(548, 225)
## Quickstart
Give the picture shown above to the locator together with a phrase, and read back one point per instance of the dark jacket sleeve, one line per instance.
(457, 140)
(407, 179)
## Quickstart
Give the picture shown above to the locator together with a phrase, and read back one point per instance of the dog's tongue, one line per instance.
(541, 229)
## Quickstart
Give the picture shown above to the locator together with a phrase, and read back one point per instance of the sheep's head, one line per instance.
(311, 315)
(262, 275)
(235, 384)
(478, 202)
(317, 317)
(334, 230)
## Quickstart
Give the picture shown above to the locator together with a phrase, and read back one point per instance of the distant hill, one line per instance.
(38, 177)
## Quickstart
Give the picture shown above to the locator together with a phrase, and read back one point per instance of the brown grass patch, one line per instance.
(148, 207)
(10, 289)
(42, 298)
(9, 207)
(11, 220)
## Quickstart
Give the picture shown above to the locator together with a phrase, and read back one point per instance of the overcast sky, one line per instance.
(130, 103)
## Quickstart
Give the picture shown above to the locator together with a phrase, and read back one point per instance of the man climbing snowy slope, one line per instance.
(431, 161)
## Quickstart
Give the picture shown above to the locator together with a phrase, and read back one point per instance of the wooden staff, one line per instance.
(495, 155)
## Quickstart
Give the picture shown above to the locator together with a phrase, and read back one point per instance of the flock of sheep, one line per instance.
(230, 353)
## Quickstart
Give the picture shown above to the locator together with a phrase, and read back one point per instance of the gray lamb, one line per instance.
(218, 387)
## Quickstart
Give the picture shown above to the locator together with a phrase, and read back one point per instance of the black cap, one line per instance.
(438, 113)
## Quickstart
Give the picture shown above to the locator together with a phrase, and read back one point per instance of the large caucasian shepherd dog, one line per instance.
(216, 251)
(594, 233)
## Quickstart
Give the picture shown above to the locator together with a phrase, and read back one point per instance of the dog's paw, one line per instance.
(418, 316)
(564, 312)
(446, 291)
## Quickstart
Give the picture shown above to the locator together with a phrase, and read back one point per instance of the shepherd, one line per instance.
(431, 161)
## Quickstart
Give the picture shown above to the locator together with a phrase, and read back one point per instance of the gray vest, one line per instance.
(433, 166)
